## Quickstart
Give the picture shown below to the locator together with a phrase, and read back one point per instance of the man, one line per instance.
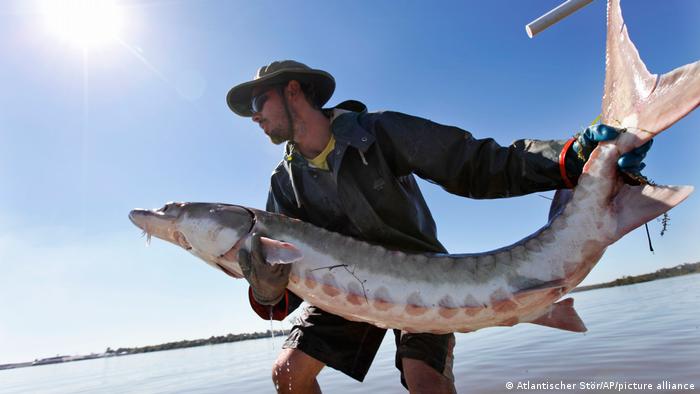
(352, 172)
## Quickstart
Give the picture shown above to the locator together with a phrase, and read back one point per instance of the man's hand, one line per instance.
(268, 282)
(630, 163)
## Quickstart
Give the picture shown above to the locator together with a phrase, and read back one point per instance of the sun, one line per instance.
(85, 23)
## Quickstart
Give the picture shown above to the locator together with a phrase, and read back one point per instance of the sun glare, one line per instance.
(85, 23)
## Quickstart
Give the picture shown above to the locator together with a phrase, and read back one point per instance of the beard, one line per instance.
(284, 132)
(280, 135)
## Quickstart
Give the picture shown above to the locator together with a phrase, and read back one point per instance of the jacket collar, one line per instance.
(347, 132)
(346, 127)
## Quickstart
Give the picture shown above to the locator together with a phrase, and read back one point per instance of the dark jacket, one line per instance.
(370, 192)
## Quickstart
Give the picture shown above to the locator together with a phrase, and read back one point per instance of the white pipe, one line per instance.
(565, 9)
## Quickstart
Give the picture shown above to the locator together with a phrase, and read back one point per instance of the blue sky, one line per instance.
(88, 134)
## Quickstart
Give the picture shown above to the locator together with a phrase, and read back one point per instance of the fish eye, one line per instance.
(165, 208)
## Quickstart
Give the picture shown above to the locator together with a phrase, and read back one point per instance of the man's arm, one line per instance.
(279, 311)
(470, 167)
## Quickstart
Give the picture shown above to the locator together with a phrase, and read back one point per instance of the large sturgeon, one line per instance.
(460, 293)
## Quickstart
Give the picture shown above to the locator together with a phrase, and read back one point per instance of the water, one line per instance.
(645, 333)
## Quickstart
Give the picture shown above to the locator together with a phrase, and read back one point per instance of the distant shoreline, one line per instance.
(663, 273)
(679, 270)
(213, 340)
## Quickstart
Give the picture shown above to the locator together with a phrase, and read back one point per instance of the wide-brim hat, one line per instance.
(278, 72)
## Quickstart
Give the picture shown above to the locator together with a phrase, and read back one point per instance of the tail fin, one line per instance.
(636, 205)
(634, 97)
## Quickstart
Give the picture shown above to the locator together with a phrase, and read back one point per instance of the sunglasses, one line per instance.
(258, 101)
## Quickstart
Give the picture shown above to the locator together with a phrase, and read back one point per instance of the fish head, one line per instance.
(212, 232)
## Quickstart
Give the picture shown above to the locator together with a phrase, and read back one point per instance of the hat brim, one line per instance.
(239, 97)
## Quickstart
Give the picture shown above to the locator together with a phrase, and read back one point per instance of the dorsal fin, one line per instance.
(563, 316)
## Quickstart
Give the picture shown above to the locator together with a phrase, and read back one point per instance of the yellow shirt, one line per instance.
(320, 160)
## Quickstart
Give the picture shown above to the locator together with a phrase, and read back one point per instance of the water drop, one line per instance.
(272, 330)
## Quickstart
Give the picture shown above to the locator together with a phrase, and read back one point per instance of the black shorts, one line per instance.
(351, 346)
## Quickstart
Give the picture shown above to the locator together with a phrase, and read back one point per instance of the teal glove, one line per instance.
(630, 163)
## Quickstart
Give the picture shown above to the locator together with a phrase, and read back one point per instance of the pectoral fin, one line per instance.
(563, 316)
(279, 252)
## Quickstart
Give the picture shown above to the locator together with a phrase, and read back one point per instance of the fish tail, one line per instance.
(636, 205)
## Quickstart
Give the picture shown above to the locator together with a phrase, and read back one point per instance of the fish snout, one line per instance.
(138, 217)
(154, 223)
